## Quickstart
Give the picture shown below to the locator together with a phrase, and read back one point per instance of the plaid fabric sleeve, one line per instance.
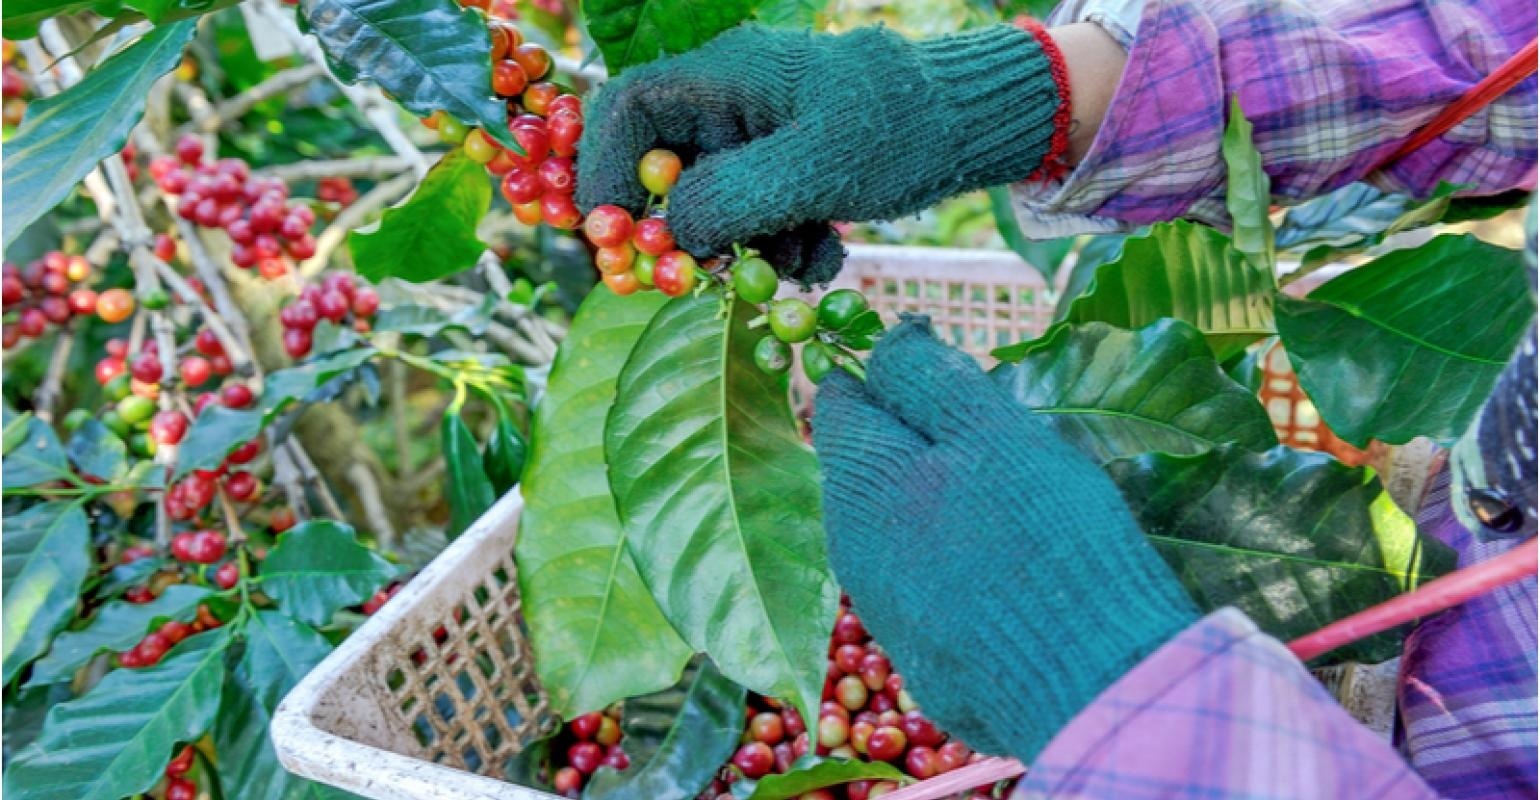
(1332, 87)
(1222, 711)
(1467, 690)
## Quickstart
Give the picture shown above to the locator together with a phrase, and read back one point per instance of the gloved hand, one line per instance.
(998, 566)
(790, 130)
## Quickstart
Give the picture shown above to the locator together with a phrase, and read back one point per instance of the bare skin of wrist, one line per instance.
(1095, 63)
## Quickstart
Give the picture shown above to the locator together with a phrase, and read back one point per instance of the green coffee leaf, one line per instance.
(504, 457)
(631, 32)
(429, 55)
(676, 739)
(319, 567)
(433, 233)
(115, 741)
(39, 458)
(1184, 271)
(98, 451)
(63, 137)
(1412, 343)
(1295, 540)
(46, 558)
(740, 569)
(1116, 393)
(1247, 194)
(597, 633)
(467, 489)
(813, 772)
(118, 626)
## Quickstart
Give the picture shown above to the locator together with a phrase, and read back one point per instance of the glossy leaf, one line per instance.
(813, 772)
(795, 14)
(1116, 393)
(1354, 218)
(118, 626)
(676, 740)
(429, 321)
(1247, 194)
(98, 451)
(115, 741)
(39, 458)
(630, 32)
(720, 499)
(21, 17)
(597, 633)
(429, 55)
(63, 137)
(1184, 271)
(46, 558)
(467, 489)
(1096, 251)
(1412, 343)
(1294, 539)
(503, 459)
(319, 567)
(433, 233)
(279, 651)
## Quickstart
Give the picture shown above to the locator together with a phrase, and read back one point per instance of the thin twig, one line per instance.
(368, 490)
(287, 476)
(313, 477)
(236, 107)
(47, 393)
(371, 167)
(395, 378)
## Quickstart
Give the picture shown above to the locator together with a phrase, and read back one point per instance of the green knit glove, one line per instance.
(997, 565)
(790, 130)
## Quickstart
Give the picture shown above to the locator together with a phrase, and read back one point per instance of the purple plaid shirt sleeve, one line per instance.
(1332, 88)
(1467, 691)
(1221, 712)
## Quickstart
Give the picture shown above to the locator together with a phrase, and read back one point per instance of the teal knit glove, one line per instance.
(789, 130)
(998, 566)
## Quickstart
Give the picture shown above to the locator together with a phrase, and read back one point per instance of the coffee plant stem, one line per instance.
(48, 391)
(235, 107)
(371, 167)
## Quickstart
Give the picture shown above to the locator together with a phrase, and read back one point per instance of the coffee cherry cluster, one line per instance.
(267, 230)
(638, 255)
(588, 742)
(13, 85)
(50, 292)
(178, 787)
(190, 496)
(338, 298)
(826, 334)
(336, 190)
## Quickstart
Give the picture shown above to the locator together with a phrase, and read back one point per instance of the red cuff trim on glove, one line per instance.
(1055, 164)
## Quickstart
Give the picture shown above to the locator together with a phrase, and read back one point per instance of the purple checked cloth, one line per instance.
(1331, 86)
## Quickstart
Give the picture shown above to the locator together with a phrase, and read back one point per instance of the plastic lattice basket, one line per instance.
(435, 695)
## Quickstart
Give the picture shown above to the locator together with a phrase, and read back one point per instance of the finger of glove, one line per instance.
(667, 104)
(810, 254)
(934, 388)
(865, 451)
(769, 185)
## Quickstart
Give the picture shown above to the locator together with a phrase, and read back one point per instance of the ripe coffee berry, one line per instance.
(559, 175)
(208, 344)
(146, 368)
(242, 486)
(227, 576)
(206, 547)
(168, 427)
(114, 305)
(559, 211)
(886, 744)
(755, 759)
(767, 727)
(538, 97)
(585, 726)
(296, 342)
(609, 226)
(618, 259)
(236, 395)
(521, 186)
(245, 453)
(179, 789)
(508, 78)
(674, 274)
(585, 756)
(567, 782)
(622, 283)
(535, 62)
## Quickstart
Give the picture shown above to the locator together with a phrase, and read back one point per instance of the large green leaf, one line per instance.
(597, 634)
(1247, 193)
(37, 458)
(433, 233)
(1184, 271)
(46, 559)
(279, 651)
(1296, 540)
(430, 55)
(21, 17)
(467, 489)
(630, 32)
(813, 772)
(319, 567)
(676, 739)
(116, 627)
(1116, 393)
(116, 740)
(796, 14)
(1410, 344)
(98, 451)
(65, 136)
(720, 499)
(1355, 218)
